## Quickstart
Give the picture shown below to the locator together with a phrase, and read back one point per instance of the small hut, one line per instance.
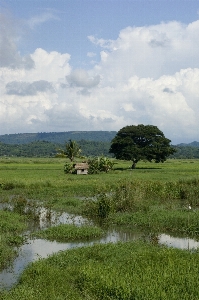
(82, 168)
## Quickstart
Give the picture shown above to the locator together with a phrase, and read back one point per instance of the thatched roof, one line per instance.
(81, 166)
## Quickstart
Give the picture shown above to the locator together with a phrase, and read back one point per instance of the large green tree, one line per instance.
(141, 142)
(72, 150)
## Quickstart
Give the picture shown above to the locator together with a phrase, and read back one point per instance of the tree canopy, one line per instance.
(72, 150)
(141, 142)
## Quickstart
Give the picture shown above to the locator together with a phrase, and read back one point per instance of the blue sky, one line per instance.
(99, 65)
(64, 25)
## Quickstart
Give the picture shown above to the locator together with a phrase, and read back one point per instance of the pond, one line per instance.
(35, 249)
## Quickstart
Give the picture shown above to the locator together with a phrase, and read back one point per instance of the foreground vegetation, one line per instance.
(11, 226)
(133, 270)
(170, 207)
(154, 198)
(69, 233)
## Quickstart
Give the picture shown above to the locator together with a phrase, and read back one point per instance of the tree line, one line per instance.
(89, 149)
(48, 149)
(131, 142)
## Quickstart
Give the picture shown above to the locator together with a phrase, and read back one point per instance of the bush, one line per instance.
(69, 168)
(7, 185)
(99, 164)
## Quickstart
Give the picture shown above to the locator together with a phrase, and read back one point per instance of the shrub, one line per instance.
(69, 168)
(7, 185)
(99, 164)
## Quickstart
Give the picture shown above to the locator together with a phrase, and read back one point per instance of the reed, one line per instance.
(155, 206)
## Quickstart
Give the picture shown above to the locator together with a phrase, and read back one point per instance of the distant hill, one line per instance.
(92, 143)
(49, 149)
(58, 137)
(62, 137)
(33, 149)
(187, 151)
(193, 144)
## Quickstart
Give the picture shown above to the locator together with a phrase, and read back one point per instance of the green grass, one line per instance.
(153, 205)
(183, 223)
(72, 204)
(46, 178)
(69, 233)
(168, 186)
(153, 197)
(11, 226)
(133, 270)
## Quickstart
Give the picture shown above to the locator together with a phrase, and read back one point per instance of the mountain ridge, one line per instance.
(192, 144)
(57, 137)
(64, 136)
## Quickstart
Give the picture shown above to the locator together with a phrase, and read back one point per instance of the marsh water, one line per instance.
(34, 249)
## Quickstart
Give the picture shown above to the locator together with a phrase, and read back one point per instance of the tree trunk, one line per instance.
(134, 165)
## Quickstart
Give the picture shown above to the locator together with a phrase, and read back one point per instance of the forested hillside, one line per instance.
(89, 148)
(58, 137)
(92, 143)
(186, 152)
(47, 149)
(34, 149)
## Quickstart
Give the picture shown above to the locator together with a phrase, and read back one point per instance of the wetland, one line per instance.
(122, 235)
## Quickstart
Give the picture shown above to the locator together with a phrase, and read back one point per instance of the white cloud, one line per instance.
(101, 42)
(91, 54)
(28, 89)
(9, 56)
(147, 75)
(40, 19)
(81, 78)
(152, 51)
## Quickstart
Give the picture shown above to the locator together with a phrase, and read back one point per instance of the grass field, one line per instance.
(154, 198)
(114, 271)
(11, 226)
(26, 174)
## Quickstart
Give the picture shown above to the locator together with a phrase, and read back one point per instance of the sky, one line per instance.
(83, 65)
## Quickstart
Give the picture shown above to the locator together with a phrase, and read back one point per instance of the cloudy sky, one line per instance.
(99, 65)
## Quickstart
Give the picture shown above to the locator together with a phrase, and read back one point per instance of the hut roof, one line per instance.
(81, 166)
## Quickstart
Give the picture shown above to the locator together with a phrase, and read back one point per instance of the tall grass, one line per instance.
(11, 226)
(151, 205)
(183, 223)
(154, 197)
(133, 195)
(126, 271)
(69, 233)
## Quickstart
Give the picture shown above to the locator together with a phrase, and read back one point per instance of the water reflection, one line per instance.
(39, 248)
(44, 217)
(55, 218)
(180, 243)
(30, 252)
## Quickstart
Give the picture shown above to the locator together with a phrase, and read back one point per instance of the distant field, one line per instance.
(47, 174)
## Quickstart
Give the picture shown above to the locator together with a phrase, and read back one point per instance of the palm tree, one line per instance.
(72, 150)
